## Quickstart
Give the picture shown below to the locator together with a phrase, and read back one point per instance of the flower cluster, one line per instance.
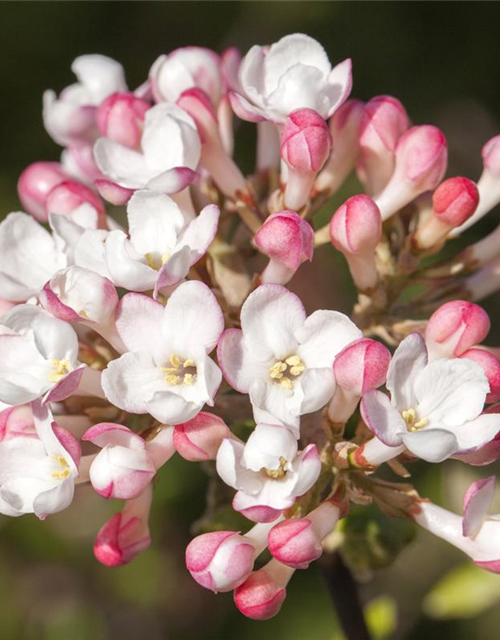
(146, 277)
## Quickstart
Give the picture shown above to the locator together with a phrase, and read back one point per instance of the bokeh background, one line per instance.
(442, 59)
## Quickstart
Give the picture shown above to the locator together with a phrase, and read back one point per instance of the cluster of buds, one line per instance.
(101, 323)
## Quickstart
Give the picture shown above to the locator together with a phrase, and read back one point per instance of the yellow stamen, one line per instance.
(65, 471)
(188, 379)
(62, 368)
(181, 371)
(282, 370)
(175, 361)
(286, 383)
(173, 379)
(409, 416)
(279, 472)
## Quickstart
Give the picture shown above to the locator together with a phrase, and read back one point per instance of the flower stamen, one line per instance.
(281, 371)
(180, 371)
(62, 368)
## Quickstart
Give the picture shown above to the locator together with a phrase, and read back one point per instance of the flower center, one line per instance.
(410, 417)
(61, 369)
(156, 262)
(64, 471)
(287, 371)
(278, 473)
(180, 371)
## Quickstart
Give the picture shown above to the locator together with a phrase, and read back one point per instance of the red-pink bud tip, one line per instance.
(120, 118)
(286, 237)
(356, 227)
(35, 183)
(422, 155)
(305, 141)
(200, 438)
(259, 597)
(456, 326)
(384, 121)
(119, 542)
(294, 543)
(362, 366)
(69, 195)
(455, 200)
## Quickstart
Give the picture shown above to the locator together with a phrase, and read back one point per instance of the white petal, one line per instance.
(432, 445)
(271, 403)
(100, 75)
(407, 362)
(307, 467)
(240, 369)
(478, 432)
(477, 502)
(124, 166)
(230, 469)
(23, 371)
(55, 499)
(266, 445)
(317, 387)
(175, 269)
(125, 265)
(138, 322)
(89, 252)
(300, 87)
(382, 418)
(200, 232)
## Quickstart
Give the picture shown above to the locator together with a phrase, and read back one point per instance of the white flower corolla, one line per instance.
(70, 117)
(434, 409)
(168, 371)
(170, 148)
(161, 246)
(38, 357)
(282, 358)
(37, 472)
(294, 73)
(268, 471)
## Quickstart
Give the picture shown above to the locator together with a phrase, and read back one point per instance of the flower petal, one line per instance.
(382, 418)
(407, 362)
(432, 445)
(240, 369)
(477, 501)
(478, 432)
(323, 336)
(138, 322)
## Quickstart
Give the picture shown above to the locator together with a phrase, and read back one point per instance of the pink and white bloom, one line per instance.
(170, 152)
(199, 439)
(120, 118)
(294, 73)
(38, 471)
(288, 240)
(434, 409)
(282, 358)
(71, 116)
(126, 534)
(222, 560)
(168, 371)
(36, 182)
(476, 533)
(454, 328)
(267, 471)
(161, 246)
(38, 357)
(125, 465)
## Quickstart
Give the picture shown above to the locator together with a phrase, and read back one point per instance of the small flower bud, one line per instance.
(120, 118)
(69, 195)
(35, 183)
(491, 367)
(220, 560)
(260, 597)
(454, 328)
(359, 368)
(344, 129)
(305, 147)
(200, 438)
(383, 122)
(125, 535)
(421, 159)
(288, 240)
(355, 231)
(453, 202)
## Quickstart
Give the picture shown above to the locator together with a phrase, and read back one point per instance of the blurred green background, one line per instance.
(442, 59)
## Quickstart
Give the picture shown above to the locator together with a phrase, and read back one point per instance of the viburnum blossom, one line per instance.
(168, 329)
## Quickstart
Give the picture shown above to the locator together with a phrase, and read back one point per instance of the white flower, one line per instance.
(71, 117)
(167, 372)
(267, 471)
(161, 247)
(38, 357)
(294, 73)
(435, 408)
(281, 358)
(37, 474)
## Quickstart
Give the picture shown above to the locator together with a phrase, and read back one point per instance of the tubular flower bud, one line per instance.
(491, 367)
(344, 129)
(35, 184)
(288, 240)
(222, 560)
(260, 597)
(200, 438)
(126, 534)
(69, 195)
(121, 118)
(305, 147)
(453, 202)
(297, 542)
(383, 122)
(214, 157)
(421, 160)
(454, 328)
(359, 368)
(355, 231)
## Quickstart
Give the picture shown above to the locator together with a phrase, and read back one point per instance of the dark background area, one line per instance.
(442, 60)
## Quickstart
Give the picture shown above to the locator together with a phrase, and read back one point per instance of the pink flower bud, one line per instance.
(454, 202)
(288, 240)
(260, 597)
(355, 231)
(200, 438)
(214, 157)
(305, 147)
(220, 560)
(120, 118)
(454, 328)
(384, 121)
(491, 367)
(69, 195)
(125, 535)
(359, 368)
(421, 160)
(297, 542)
(344, 129)
(35, 183)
